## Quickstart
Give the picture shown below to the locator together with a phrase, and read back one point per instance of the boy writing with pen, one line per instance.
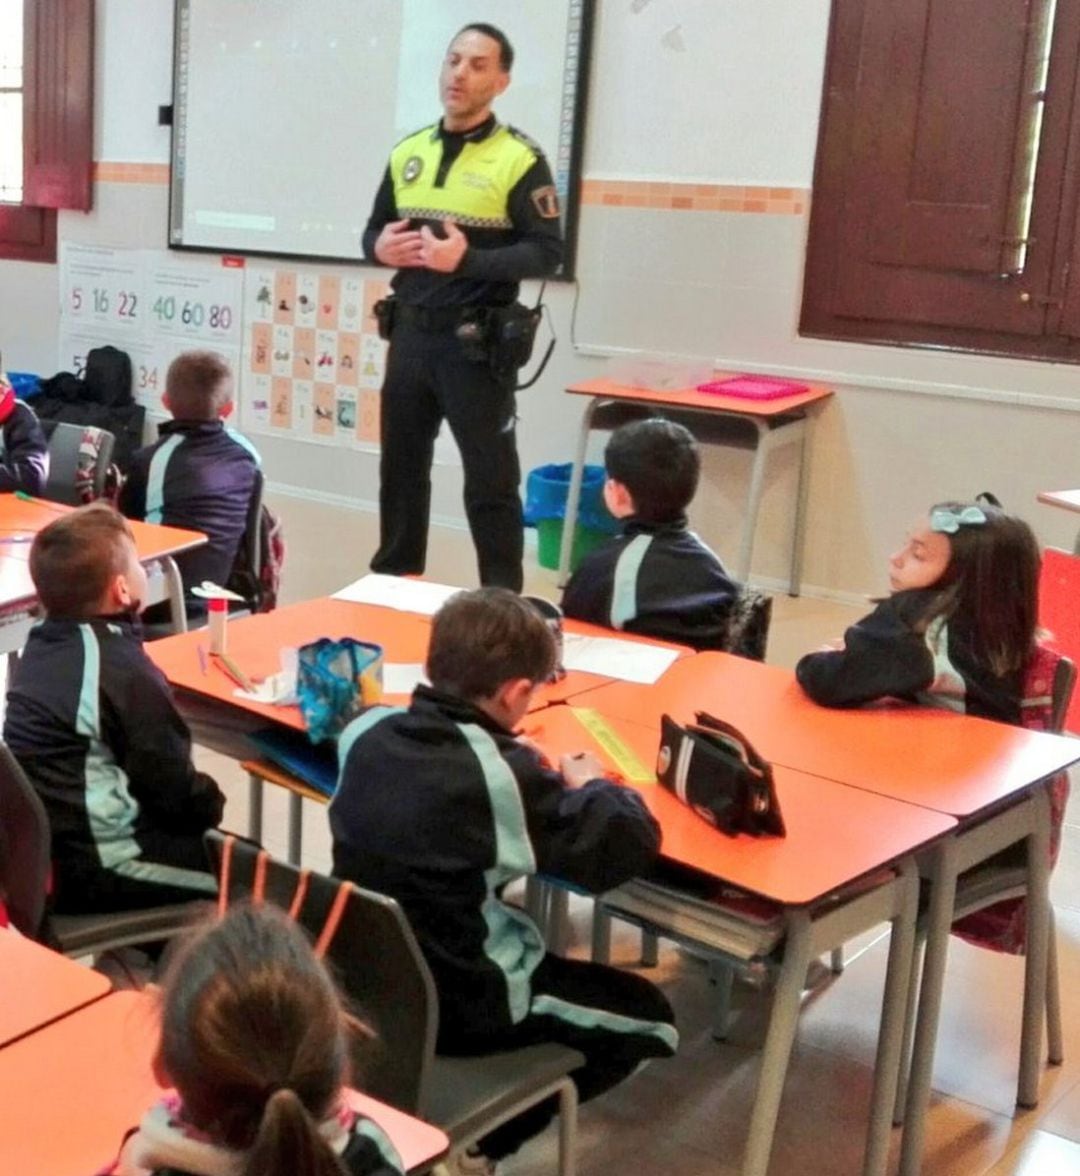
(440, 805)
(92, 722)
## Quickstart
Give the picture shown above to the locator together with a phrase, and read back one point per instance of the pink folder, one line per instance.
(753, 387)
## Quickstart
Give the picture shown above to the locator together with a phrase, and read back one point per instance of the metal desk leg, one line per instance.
(797, 532)
(177, 608)
(939, 920)
(1036, 951)
(890, 1036)
(778, 1042)
(573, 495)
(753, 500)
(296, 826)
(255, 807)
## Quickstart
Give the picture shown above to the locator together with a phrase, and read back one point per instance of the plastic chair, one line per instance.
(382, 971)
(1059, 591)
(79, 463)
(247, 568)
(26, 879)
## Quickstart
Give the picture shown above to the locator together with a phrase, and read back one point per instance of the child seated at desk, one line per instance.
(441, 806)
(255, 1039)
(959, 628)
(657, 578)
(199, 475)
(92, 722)
(24, 452)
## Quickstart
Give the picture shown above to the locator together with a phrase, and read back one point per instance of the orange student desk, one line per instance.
(762, 425)
(38, 986)
(983, 773)
(70, 1092)
(844, 866)
(953, 763)
(21, 518)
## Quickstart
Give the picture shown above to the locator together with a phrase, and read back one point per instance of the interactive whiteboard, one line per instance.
(285, 111)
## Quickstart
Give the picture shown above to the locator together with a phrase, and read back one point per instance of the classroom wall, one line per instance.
(698, 166)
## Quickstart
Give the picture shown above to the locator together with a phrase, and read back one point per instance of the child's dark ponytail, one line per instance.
(254, 1038)
(288, 1142)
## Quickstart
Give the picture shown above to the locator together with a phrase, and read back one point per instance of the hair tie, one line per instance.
(948, 522)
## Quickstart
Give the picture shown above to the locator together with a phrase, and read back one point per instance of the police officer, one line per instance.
(466, 209)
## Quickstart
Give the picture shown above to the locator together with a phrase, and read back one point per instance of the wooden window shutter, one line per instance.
(59, 109)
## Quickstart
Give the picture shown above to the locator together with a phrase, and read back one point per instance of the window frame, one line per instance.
(1048, 290)
(58, 68)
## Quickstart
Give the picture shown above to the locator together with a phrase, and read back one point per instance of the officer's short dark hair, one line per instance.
(198, 385)
(73, 559)
(506, 50)
(658, 462)
(482, 639)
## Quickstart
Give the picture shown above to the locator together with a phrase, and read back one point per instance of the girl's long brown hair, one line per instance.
(993, 581)
(254, 1038)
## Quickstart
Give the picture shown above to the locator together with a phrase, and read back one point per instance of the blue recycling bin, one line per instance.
(546, 490)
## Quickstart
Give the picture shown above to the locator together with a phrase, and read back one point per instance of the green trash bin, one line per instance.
(546, 491)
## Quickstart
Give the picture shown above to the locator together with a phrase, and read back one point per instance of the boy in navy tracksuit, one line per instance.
(92, 722)
(657, 578)
(440, 806)
(24, 452)
(199, 475)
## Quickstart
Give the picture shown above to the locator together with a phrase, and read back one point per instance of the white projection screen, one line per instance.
(285, 111)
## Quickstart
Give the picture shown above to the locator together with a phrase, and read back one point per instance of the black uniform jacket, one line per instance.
(670, 586)
(205, 485)
(439, 807)
(92, 722)
(24, 461)
(892, 654)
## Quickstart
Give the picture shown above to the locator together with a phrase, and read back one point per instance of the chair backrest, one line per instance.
(373, 954)
(24, 827)
(1059, 614)
(79, 457)
(1062, 693)
(748, 625)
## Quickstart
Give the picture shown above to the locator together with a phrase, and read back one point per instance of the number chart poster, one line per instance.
(313, 361)
(150, 304)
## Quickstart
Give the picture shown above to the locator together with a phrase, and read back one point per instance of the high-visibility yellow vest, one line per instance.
(475, 190)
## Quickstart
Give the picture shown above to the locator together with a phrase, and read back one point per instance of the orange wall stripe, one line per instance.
(680, 197)
(108, 172)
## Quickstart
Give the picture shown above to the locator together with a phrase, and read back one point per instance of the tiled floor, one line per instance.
(689, 1115)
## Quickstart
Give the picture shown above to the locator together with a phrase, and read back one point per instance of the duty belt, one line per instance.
(432, 318)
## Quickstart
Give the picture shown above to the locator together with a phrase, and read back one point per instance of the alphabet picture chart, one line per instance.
(151, 304)
(313, 361)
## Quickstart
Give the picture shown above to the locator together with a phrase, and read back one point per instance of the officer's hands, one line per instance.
(443, 254)
(398, 245)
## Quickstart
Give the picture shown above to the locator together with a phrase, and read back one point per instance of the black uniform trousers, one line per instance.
(429, 379)
(616, 1019)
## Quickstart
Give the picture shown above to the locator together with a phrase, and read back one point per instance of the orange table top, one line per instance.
(38, 986)
(835, 833)
(254, 643)
(1067, 499)
(70, 1092)
(953, 763)
(692, 398)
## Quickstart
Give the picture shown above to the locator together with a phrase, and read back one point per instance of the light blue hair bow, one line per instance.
(950, 521)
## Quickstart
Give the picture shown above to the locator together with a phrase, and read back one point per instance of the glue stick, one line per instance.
(216, 615)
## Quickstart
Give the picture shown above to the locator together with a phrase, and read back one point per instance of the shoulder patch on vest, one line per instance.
(546, 201)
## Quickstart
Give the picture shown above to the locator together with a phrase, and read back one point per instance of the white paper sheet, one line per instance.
(402, 677)
(414, 596)
(630, 661)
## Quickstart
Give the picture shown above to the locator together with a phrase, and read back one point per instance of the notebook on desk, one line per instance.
(315, 764)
